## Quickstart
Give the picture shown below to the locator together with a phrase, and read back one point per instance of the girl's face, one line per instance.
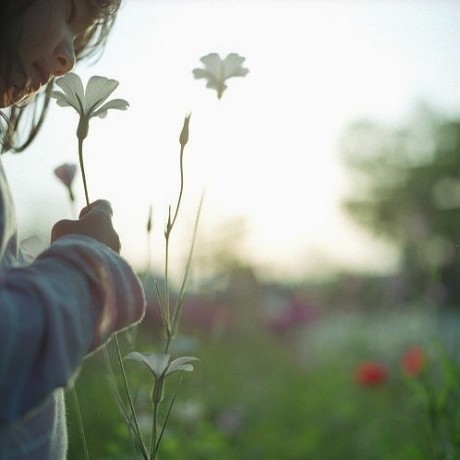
(46, 46)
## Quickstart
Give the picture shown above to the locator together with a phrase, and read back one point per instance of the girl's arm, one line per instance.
(54, 312)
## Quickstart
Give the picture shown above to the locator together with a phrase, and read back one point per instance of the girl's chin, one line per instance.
(7, 98)
(16, 96)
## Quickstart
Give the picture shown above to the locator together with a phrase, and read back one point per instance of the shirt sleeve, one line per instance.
(54, 312)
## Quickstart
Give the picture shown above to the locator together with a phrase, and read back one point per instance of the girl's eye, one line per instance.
(72, 11)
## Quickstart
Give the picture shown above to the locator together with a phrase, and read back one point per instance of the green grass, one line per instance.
(255, 395)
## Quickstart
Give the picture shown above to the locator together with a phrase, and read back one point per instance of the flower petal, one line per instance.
(72, 86)
(212, 63)
(181, 364)
(203, 73)
(232, 66)
(98, 90)
(119, 104)
(62, 100)
(156, 362)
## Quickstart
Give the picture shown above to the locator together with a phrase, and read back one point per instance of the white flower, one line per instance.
(217, 71)
(160, 365)
(88, 103)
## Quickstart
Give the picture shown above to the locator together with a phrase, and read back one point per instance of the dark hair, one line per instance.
(21, 123)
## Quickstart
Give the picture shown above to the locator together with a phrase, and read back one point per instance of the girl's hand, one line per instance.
(95, 221)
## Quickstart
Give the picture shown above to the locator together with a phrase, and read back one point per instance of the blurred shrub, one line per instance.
(406, 188)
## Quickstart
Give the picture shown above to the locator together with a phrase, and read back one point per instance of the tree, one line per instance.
(406, 188)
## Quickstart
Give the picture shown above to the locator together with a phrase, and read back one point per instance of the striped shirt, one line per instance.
(53, 313)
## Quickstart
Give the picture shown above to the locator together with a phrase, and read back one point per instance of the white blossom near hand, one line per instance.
(87, 103)
(217, 71)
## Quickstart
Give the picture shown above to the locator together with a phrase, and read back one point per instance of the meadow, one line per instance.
(289, 372)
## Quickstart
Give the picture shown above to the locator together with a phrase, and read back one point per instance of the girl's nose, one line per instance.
(64, 58)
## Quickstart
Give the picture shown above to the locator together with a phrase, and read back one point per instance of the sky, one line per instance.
(266, 156)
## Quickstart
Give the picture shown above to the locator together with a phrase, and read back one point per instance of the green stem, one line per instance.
(181, 297)
(167, 296)
(179, 199)
(119, 356)
(74, 391)
(81, 428)
(153, 440)
(82, 168)
(160, 436)
(130, 399)
(169, 227)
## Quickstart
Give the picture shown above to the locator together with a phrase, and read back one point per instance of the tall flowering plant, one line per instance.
(91, 102)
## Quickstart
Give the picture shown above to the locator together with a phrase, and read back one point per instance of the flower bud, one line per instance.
(183, 138)
(149, 220)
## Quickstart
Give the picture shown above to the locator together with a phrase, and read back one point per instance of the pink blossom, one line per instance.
(66, 173)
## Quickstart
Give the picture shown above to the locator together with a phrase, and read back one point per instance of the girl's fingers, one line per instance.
(98, 205)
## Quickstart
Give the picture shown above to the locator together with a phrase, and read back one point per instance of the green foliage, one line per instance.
(260, 395)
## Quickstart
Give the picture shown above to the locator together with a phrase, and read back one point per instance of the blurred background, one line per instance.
(270, 153)
(327, 252)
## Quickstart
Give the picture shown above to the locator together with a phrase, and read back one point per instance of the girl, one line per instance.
(79, 291)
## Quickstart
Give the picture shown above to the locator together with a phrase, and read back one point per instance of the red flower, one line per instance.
(412, 361)
(371, 374)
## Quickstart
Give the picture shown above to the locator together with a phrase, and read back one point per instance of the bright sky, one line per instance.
(267, 152)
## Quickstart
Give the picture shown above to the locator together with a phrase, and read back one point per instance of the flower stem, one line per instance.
(181, 296)
(153, 440)
(130, 400)
(169, 227)
(82, 168)
(80, 422)
(179, 199)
